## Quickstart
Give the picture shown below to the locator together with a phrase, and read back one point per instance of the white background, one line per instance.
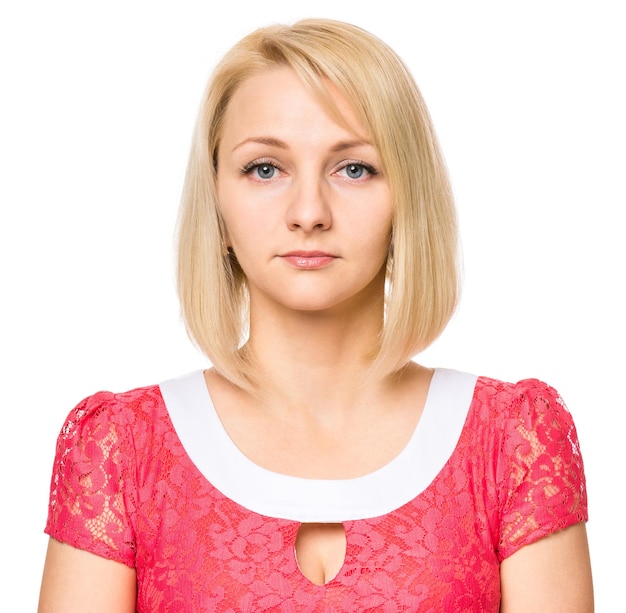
(97, 106)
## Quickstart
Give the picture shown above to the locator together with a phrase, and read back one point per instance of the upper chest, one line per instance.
(436, 546)
(413, 523)
(204, 440)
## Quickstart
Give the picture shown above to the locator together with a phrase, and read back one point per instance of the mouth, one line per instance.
(309, 260)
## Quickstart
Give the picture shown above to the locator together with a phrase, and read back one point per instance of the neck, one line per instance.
(312, 360)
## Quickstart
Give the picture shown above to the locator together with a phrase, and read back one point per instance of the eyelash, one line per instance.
(250, 166)
(370, 169)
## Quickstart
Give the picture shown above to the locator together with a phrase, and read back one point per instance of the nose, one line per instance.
(309, 208)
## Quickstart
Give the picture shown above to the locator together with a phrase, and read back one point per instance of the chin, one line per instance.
(336, 305)
(320, 299)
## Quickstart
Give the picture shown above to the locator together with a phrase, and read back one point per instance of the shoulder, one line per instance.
(515, 396)
(536, 459)
(525, 419)
(516, 409)
(116, 408)
(108, 422)
(99, 414)
(93, 491)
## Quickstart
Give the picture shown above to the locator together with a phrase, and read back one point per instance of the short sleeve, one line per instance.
(92, 492)
(540, 473)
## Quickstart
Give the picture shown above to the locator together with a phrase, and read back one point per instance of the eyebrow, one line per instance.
(276, 142)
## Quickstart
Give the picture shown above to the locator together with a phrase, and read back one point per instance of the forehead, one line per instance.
(279, 96)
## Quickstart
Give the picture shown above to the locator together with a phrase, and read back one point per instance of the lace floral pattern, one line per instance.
(124, 488)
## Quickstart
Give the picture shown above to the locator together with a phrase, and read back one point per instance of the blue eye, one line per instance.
(354, 171)
(357, 170)
(265, 171)
(261, 170)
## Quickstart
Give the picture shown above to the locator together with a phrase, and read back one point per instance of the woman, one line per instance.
(316, 466)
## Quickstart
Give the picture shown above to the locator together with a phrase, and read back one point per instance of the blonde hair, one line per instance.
(422, 272)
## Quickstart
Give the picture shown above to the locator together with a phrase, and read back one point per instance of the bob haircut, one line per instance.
(422, 269)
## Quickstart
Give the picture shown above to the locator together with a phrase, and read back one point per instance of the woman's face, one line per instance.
(306, 208)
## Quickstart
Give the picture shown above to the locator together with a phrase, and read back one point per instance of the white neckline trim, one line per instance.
(315, 500)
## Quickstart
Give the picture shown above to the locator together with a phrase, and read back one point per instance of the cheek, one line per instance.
(233, 217)
(383, 240)
(378, 231)
(245, 217)
(245, 234)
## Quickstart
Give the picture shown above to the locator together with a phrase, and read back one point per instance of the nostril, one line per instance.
(320, 551)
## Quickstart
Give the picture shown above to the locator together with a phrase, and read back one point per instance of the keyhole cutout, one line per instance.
(320, 551)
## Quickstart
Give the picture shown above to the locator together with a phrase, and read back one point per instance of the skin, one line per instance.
(290, 179)
(552, 575)
(311, 329)
(79, 581)
(314, 200)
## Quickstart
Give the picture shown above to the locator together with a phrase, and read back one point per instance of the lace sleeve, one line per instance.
(540, 473)
(91, 492)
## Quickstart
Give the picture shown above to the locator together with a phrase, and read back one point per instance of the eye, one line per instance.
(261, 170)
(264, 171)
(356, 170)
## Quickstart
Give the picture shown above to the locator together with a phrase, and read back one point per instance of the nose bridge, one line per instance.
(309, 206)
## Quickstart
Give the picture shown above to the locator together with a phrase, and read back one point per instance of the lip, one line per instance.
(308, 260)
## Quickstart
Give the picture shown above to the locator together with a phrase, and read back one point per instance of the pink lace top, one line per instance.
(124, 487)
